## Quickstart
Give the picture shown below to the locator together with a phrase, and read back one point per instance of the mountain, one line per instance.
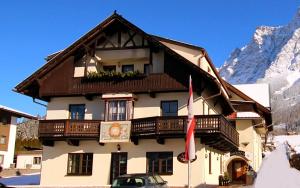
(272, 56)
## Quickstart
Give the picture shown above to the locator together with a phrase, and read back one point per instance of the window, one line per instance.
(109, 68)
(127, 68)
(77, 111)
(221, 165)
(37, 160)
(117, 110)
(80, 164)
(2, 139)
(1, 159)
(146, 69)
(209, 163)
(160, 163)
(169, 108)
(4, 120)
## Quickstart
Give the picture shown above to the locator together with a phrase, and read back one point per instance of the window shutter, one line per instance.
(129, 110)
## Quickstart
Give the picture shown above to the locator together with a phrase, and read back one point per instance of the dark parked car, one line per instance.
(139, 180)
(4, 186)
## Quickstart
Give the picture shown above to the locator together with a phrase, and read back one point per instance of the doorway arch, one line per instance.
(237, 167)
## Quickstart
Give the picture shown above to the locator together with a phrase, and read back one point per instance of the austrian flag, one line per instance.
(190, 142)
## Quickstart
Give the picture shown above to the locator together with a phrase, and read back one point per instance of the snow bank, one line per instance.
(293, 140)
(276, 172)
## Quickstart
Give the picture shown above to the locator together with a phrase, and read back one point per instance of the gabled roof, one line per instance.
(16, 113)
(216, 72)
(257, 107)
(57, 58)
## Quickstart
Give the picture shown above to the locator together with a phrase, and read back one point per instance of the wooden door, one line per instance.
(239, 170)
(118, 165)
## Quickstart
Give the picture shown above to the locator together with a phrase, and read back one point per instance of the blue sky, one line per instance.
(31, 29)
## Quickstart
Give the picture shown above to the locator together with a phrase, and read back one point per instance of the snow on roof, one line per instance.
(247, 115)
(17, 112)
(258, 92)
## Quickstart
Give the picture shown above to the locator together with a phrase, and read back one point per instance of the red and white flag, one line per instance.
(190, 153)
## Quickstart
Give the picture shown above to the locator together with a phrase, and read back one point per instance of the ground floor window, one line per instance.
(160, 163)
(209, 161)
(80, 164)
(37, 160)
(1, 159)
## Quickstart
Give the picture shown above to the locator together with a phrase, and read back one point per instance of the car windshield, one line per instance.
(129, 182)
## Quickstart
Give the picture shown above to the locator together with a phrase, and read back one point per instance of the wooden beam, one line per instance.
(101, 144)
(160, 141)
(73, 142)
(49, 143)
(119, 38)
(130, 39)
(89, 97)
(152, 94)
(135, 140)
(122, 48)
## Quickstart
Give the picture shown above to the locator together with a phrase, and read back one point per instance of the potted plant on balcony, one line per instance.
(111, 75)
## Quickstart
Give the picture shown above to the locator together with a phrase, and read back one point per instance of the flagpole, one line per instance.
(189, 174)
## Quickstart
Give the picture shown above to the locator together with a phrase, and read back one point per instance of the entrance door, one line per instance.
(118, 165)
(239, 170)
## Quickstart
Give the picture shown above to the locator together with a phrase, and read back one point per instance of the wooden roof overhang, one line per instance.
(30, 86)
(204, 52)
(249, 104)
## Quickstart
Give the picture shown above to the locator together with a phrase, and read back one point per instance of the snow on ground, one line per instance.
(276, 172)
(293, 140)
(33, 179)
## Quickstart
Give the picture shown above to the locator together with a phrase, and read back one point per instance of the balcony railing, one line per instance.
(69, 128)
(151, 127)
(172, 126)
(77, 86)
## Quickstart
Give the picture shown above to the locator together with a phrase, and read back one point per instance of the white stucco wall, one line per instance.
(27, 159)
(9, 154)
(56, 157)
(58, 108)
(248, 134)
(144, 106)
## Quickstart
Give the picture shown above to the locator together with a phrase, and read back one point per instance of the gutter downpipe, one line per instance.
(44, 105)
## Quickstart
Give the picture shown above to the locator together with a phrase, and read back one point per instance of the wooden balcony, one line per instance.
(77, 86)
(213, 130)
(51, 130)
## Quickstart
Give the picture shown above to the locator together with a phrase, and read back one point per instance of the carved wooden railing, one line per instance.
(69, 128)
(78, 86)
(160, 125)
(177, 125)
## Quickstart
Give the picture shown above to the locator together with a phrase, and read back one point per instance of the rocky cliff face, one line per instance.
(272, 56)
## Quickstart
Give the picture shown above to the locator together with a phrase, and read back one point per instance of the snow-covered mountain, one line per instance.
(272, 56)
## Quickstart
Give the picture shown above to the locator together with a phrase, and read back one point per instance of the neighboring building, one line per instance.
(253, 121)
(117, 104)
(8, 128)
(30, 159)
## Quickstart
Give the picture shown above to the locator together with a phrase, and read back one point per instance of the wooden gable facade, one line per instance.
(116, 36)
